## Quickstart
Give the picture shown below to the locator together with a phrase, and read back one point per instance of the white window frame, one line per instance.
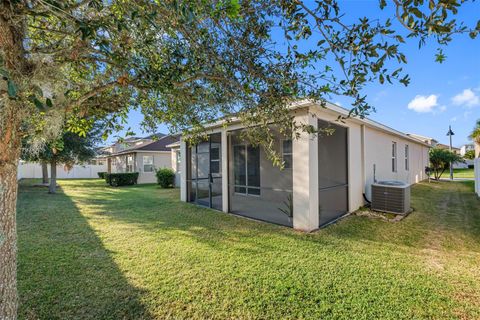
(150, 164)
(129, 161)
(394, 156)
(287, 153)
(178, 160)
(407, 157)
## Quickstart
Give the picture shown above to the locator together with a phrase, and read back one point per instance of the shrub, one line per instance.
(121, 179)
(440, 160)
(471, 166)
(165, 177)
(101, 175)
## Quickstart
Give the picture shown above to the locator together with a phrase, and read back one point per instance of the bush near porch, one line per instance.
(165, 177)
(94, 252)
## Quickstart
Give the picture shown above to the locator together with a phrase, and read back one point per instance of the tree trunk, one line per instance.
(12, 37)
(53, 177)
(9, 156)
(8, 241)
(44, 173)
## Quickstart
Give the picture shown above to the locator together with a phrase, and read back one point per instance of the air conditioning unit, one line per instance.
(391, 196)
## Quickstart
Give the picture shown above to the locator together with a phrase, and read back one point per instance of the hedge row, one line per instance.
(101, 175)
(121, 179)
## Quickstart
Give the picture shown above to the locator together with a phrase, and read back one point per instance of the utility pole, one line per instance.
(450, 134)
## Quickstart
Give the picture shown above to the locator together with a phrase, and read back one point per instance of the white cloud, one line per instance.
(466, 98)
(423, 104)
(442, 108)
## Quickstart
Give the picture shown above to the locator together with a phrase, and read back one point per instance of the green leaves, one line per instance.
(11, 89)
(233, 9)
(440, 57)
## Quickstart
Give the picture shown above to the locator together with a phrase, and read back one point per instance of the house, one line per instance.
(142, 155)
(430, 141)
(175, 159)
(465, 148)
(325, 176)
(447, 147)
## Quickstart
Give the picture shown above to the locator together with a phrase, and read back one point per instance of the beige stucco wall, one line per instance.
(119, 163)
(161, 159)
(173, 159)
(378, 152)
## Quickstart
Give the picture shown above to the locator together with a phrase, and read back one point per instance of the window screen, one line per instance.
(287, 153)
(147, 163)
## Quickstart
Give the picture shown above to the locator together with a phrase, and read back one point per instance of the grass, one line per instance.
(459, 173)
(94, 252)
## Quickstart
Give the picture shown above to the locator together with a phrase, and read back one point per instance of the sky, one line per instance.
(439, 95)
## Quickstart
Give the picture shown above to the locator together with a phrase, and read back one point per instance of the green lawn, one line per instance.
(459, 173)
(94, 252)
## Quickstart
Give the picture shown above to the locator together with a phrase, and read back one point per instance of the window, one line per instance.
(177, 154)
(129, 164)
(215, 158)
(394, 157)
(407, 166)
(287, 153)
(147, 163)
(246, 167)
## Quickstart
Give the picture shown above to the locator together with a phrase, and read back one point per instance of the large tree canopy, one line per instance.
(186, 63)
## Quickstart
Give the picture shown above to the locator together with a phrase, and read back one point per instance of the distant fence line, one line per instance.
(33, 170)
(477, 176)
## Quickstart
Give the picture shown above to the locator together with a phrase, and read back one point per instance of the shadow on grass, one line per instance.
(449, 211)
(64, 271)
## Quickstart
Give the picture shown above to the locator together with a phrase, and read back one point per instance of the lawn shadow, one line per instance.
(64, 270)
(162, 211)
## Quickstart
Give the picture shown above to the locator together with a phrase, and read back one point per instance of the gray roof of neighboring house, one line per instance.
(158, 145)
(155, 136)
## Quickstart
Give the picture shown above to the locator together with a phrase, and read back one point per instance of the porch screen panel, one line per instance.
(216, 171)
(257, 188)
(240, 168)
(253, 170)
(204, 178)
(332, 172)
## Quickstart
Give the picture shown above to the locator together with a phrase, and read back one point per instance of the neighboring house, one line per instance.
(175, 157)
(447, 147)
(142, 155)
(324, 178)
(428, 140)
(465, 148)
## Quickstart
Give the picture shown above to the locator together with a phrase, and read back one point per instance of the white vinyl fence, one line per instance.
(477, 176)
(34, 170)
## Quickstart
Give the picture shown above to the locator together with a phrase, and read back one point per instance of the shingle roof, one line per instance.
(158, 145)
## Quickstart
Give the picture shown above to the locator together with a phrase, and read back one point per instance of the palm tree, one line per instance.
(475, 136)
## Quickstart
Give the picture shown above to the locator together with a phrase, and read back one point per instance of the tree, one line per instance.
(469, 155)
(187, 63)
(68, 149)
(440, 160)
(475, 136)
